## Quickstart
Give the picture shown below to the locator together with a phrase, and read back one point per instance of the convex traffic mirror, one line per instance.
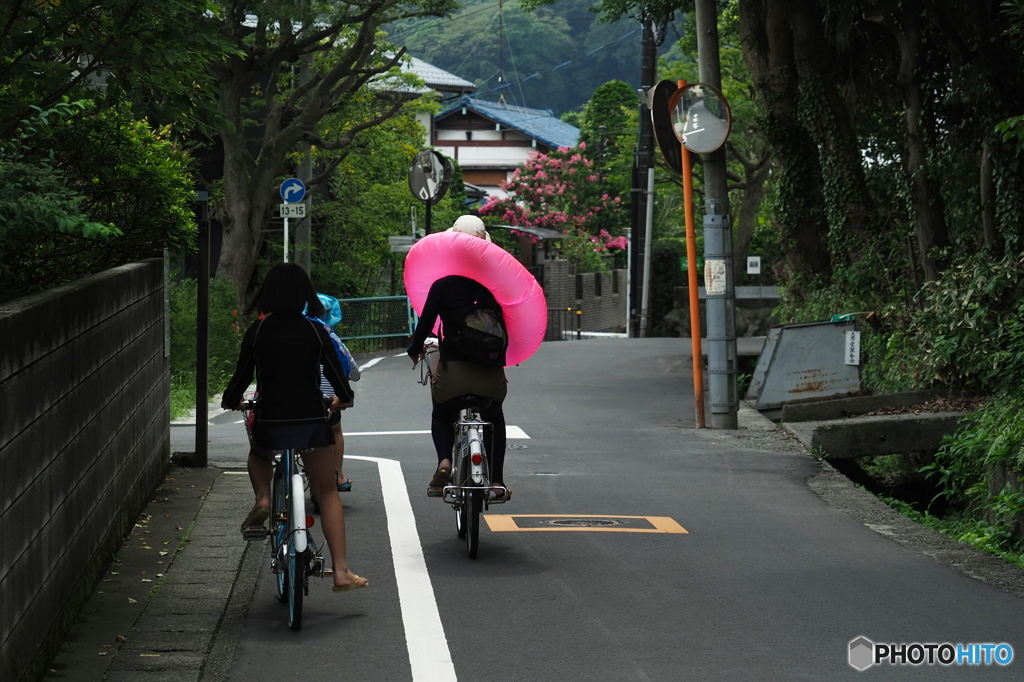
(700, 117)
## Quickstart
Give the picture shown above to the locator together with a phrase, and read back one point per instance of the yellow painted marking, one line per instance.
(507, 523)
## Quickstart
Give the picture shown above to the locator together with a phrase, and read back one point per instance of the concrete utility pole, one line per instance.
(721, 296)
(644, 161)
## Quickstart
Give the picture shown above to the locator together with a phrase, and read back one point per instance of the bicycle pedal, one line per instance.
(435, 492)
(254, 533)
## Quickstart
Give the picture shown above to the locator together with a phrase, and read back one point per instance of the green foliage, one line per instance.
(964, 528)
(34, 199)
(370, 201)
(970, 469)
(968, 331)
(747, 153)
(666, 275)
(608, 130)
(577, 248)
(317, 74)
(225, 335)
(83, 190)
(150, 54)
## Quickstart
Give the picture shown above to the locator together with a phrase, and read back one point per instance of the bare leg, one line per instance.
(339, 452)
(320, 465)
(261, 470)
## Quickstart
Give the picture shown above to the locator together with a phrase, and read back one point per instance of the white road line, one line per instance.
(514, 432)
(369, 363)
(510, 432)
(429, 655)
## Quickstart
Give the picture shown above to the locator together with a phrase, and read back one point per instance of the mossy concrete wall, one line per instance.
(84, 442)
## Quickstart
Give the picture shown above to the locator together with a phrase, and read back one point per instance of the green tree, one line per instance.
(151, 53)
(608, 132)
(370, 200)
(748, 156)
(84, 189)
(868, 96)
(296, 64)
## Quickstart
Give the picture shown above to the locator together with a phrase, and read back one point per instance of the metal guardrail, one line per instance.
(372, 318)
(564, 324)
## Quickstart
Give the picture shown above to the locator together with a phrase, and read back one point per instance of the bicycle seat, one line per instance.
(470, 401)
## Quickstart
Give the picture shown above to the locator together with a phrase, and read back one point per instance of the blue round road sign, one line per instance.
(292, 190)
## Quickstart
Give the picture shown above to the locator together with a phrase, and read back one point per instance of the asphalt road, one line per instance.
(768, 581)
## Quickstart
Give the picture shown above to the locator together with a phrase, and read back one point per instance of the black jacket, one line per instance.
(449, 298)
(285, 353)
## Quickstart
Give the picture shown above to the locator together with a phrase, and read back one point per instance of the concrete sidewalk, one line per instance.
(182, 575)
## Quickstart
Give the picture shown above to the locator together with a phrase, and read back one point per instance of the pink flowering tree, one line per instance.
(563, 191)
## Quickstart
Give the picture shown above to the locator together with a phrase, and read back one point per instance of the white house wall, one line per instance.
(487, 157)
(427, 121)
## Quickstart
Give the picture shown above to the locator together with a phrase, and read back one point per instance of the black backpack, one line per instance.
(483, 337)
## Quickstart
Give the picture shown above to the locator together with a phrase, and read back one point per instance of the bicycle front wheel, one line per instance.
(296, 571)
(473, 506)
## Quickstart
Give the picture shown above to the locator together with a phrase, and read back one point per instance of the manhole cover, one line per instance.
(583, 523)
(515, 446)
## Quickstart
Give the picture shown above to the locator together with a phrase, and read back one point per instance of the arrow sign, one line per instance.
(292, 190)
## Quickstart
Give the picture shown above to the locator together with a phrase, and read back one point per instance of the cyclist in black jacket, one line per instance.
(285, 351)
(447, 298)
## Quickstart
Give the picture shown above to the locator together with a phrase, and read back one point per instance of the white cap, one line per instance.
(470, 224)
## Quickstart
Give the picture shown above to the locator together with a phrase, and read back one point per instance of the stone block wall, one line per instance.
(600, 296)
(84, 442)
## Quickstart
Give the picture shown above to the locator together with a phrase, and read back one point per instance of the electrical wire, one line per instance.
(563, 64)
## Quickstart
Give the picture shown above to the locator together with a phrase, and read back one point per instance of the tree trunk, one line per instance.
(846, 196)
(241, 216)
(768, 48)
(755, 176)
(988, 203)
(925, 190)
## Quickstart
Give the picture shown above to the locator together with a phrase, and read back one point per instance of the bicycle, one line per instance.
(294, 554)
(469, 490)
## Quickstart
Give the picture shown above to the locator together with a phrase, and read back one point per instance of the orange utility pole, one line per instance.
(691, 275)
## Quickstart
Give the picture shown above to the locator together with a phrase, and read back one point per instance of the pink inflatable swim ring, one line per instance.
(522, 301)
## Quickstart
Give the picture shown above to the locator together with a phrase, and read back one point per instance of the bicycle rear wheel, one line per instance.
(473, 506)
(279, 533)
(460, 520)
(297, 554)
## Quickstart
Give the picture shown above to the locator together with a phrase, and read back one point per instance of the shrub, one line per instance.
(968, 331)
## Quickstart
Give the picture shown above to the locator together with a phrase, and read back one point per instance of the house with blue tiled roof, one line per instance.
(489, 140)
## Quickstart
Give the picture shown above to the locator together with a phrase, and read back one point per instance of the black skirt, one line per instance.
(298, 436)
